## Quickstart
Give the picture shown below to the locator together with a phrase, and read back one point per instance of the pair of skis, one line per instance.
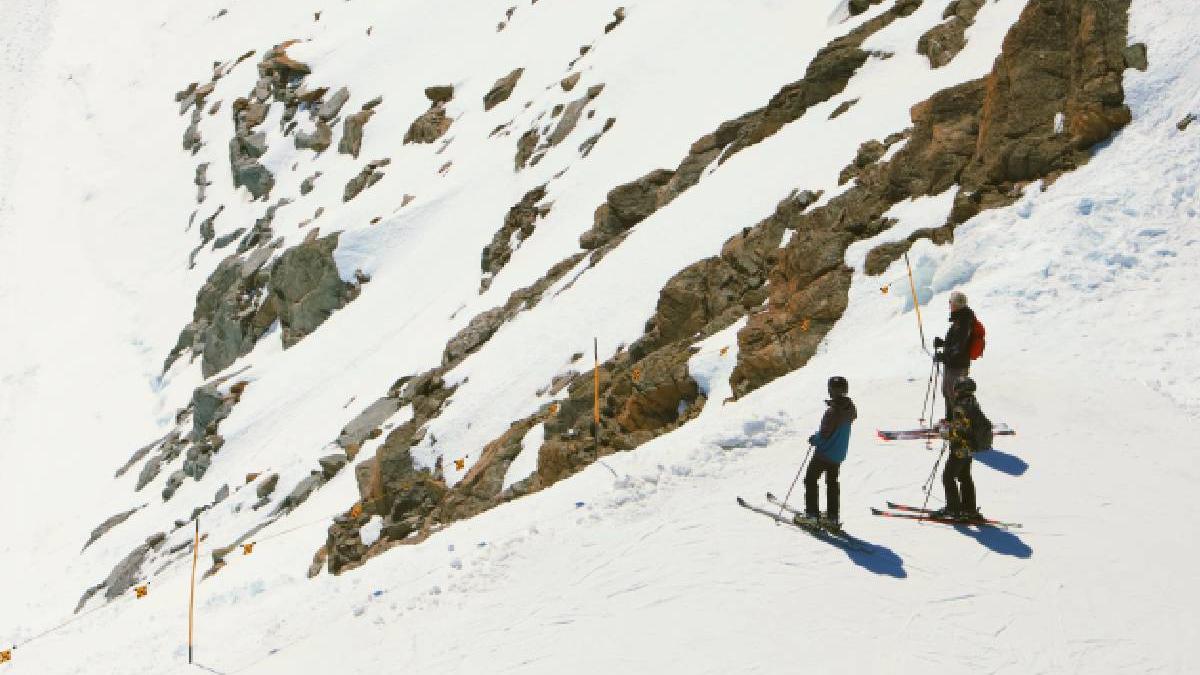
(823, 529)
(826, 531)
(924, 433)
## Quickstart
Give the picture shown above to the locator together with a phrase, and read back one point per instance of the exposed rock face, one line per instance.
(989, 137)
(332, 107)
(306, 288)
(439, 93)
(352, 133)
(369, 176)
(430, 126)
(618, 17)
(502, 89)
(944, 41)
(318, 140)
(358, 430)
(107, 526)
(518, 225)
(230, 314)
(531, 141)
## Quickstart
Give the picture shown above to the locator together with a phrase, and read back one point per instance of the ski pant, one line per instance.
(819, 465)
(950, 376)
(960, 489)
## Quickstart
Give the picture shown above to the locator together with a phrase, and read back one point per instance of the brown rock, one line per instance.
(502, 89)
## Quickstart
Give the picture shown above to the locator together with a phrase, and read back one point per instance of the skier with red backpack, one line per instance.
(964, 342)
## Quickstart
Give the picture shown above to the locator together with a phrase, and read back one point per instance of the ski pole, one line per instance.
(795, 480)
(928, 487)
(929, 388)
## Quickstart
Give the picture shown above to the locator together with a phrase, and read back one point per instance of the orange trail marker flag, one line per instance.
(141, 591)
(6, 656)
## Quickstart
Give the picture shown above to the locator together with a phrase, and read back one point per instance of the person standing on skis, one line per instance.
(968, 431)
(954, 352)
(830, 444)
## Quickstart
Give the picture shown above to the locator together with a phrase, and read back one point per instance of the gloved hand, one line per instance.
(812, 440)
(939, 357)
(938, 342)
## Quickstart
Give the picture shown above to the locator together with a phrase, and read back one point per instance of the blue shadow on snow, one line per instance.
(998, 539)
(1002, 461)
(871, 557)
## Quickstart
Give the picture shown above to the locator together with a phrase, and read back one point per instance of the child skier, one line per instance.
(968, 431)
(829, 444)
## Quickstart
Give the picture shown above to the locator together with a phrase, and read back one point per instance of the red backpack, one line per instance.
(978, 341)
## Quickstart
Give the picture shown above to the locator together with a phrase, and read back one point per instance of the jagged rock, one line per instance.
(105, 527)
(308, 184)
(126, 573)
(267, 486)
(944, 41)
(1135, 56)
(332, 464)
(440, 93)
(429, 127)
(359, 429)
(138, 456)
(626, 206)
(192, 140)
(474, 335)
(587, 146)
(344, 544)
(252, 114)
(842, 108)
(302, 491)
(352, 131)
(332, 107)
(373, 103)
(502, 89)
(88, 595)
(173, 483)
(519, 225)
(369, 176)
(859, 6)
(1184, 123)
(526, 146)
(201, 181)
(306, 288)
(570, 117)
(318, 140)
(227, 239)
(209, 408)
(221, 495)
(568, 83)
(149, 472)
(618, 17)
(868, 153)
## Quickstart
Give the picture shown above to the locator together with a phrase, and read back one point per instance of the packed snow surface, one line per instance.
(643, 562)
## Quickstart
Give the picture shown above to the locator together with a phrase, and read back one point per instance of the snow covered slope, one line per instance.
(640, 562)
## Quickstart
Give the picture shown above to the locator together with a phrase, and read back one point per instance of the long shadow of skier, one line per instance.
(872, 557)
(1003, 462)
(998, 539)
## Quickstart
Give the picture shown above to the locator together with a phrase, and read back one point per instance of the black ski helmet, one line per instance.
(838, 386)
(964, 386)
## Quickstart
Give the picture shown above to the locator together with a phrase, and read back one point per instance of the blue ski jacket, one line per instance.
(833, 439)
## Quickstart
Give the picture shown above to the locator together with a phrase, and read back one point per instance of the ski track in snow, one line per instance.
(641, 563)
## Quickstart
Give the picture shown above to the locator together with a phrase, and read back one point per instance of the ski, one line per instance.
(811, 522)
(927, 516)
(844, 541)
(924, 433)
(916, 509)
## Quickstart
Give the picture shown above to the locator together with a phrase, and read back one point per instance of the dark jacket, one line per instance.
(964, 412)
(957, 348)
(833, 439)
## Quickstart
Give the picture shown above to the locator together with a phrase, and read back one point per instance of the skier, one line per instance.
(829, 444)
(955, 351)
(967, 432)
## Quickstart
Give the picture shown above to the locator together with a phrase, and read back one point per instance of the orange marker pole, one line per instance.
(916, 303)
(192, 598)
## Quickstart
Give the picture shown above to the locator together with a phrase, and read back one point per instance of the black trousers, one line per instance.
(819, 465)
(960, 489)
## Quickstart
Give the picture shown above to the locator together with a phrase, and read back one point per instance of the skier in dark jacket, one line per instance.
(955, 351)
(830, 444)
(961, 434)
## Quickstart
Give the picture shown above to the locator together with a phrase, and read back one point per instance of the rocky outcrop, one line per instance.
(502, 89)
(944, 41)
(369, 176)
(318, 140)
(306, 288)
(107, 526)
(531, 146)
(433, 124)
(626, 206)
(352, 133)
(618, 17)
(519, 224)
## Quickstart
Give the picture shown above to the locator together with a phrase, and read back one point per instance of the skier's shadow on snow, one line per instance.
(871, 557)
(1003, 462)
(997, 539)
